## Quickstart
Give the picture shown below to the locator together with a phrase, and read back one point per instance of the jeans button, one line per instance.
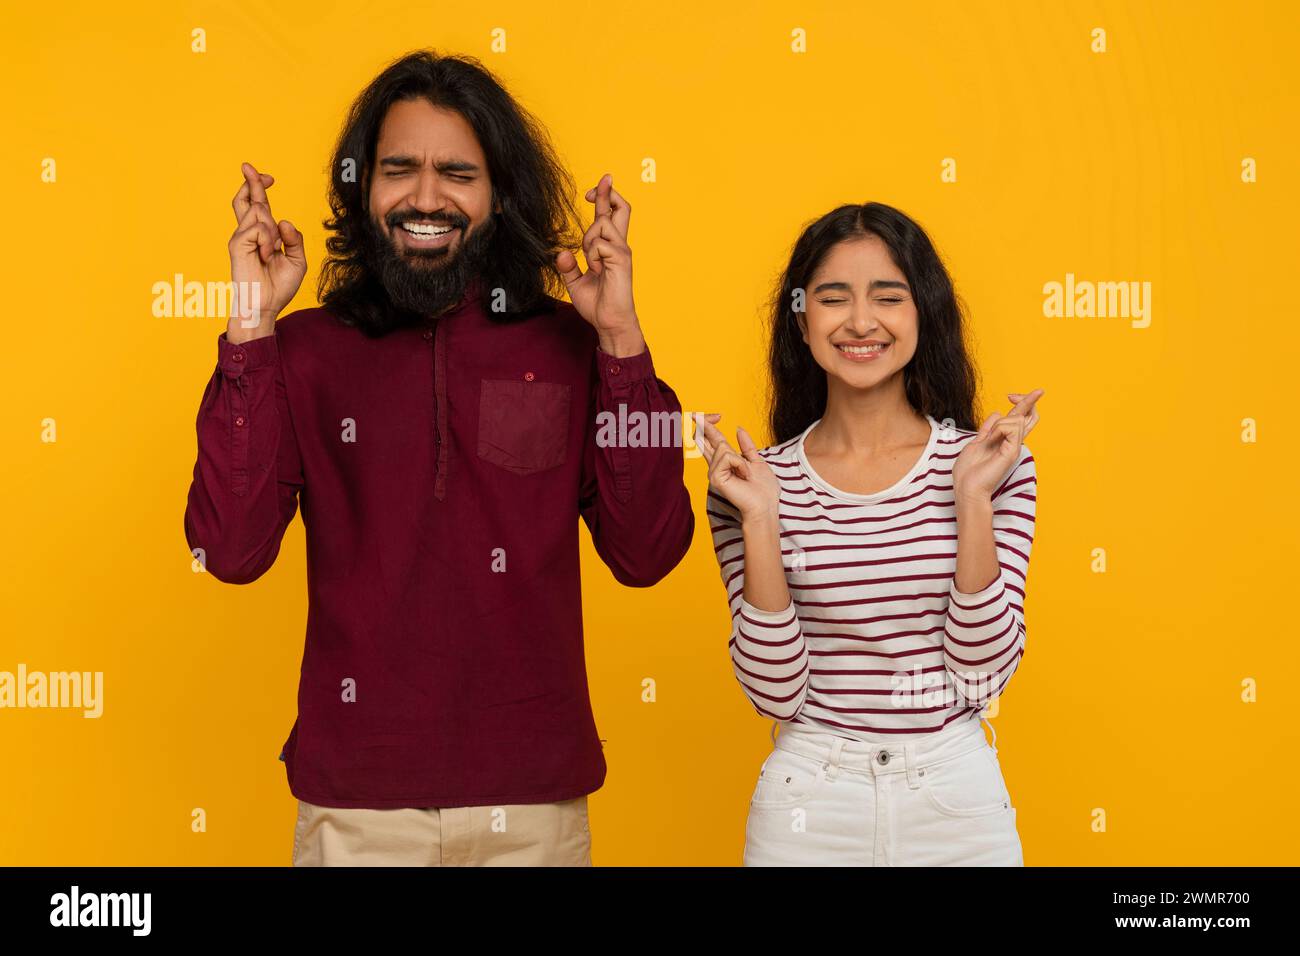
(883, 757)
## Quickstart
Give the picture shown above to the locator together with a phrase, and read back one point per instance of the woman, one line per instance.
(875, 559)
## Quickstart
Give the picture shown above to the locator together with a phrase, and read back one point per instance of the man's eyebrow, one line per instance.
(875, 284)
(402, 161)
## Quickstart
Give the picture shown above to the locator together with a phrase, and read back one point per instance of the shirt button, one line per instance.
(427, 335)
(528, 376)
(613, 369)
(239, 420)
(238, 356)
(883, 757)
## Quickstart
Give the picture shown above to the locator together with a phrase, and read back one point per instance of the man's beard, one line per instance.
(424, 282)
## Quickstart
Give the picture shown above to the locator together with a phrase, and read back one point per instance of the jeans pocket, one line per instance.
(787, 780)
(297, 832)
(523, 426)
(968, 785)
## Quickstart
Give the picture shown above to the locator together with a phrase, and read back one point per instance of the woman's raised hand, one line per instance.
(1017, 398)
(742, 477)
(987, 458)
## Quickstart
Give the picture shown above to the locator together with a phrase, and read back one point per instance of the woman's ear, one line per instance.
(803, 326)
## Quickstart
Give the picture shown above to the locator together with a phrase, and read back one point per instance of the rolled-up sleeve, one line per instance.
(769, 654)
(984, 633)
(634, 500)
(248, 471)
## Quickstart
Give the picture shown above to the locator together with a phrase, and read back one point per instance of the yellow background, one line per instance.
(1122, 166)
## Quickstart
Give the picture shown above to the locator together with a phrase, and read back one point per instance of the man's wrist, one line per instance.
(622, 343)
(237, 333)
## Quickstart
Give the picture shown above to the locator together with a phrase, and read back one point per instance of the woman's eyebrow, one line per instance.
(875, 284)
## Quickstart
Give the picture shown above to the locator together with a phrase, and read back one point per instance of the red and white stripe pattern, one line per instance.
(878, 642)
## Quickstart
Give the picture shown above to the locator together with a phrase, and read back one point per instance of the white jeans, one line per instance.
(826, 800)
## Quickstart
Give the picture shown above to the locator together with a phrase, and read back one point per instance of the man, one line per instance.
(435, 421)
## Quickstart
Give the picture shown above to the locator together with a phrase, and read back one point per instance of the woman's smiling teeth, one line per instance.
(861, 353)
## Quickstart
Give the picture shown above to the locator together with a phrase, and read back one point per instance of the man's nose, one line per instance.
(428, 197)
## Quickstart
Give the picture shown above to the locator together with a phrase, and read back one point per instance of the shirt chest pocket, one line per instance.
(523, 426)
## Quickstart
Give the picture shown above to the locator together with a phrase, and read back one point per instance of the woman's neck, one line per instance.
(868, 422)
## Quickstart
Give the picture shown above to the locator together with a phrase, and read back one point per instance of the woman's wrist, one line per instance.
(972, 498)
(766, 590)
(761, 518)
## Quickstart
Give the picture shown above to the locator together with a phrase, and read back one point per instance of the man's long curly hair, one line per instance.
(535, 193)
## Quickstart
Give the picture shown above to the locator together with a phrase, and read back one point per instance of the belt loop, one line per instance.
(909, 761)
(994, 745)
(833, 761)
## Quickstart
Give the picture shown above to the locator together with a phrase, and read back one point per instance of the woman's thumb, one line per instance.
(748, 448)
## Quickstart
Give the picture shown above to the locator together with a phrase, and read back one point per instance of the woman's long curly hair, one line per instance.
(537, 217)
(940, 380)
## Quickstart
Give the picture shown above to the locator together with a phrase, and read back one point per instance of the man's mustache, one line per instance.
(459, 222)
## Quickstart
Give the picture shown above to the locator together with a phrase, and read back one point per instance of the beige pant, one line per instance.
(541, 834)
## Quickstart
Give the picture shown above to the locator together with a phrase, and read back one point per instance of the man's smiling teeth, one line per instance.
(861, 349)
(418, 229)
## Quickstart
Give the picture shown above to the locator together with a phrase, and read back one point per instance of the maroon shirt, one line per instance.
(442, 541)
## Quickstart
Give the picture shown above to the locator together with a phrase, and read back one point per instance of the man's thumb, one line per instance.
(293, 243)
(566, 263)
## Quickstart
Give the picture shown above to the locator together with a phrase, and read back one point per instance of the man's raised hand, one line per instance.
(603, 295)
(267, 260)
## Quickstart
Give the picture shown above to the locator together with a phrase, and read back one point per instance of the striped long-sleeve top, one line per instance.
(878, 642)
